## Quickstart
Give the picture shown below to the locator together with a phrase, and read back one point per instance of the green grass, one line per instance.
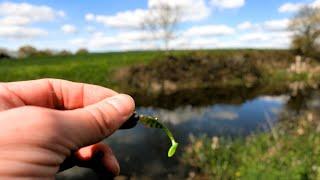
(92, 68)
(282, 75)
(99, 68)
(288, 153)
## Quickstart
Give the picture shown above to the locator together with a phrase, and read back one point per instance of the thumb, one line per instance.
(93, 123)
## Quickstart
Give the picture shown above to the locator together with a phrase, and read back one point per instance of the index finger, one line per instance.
(55, 93)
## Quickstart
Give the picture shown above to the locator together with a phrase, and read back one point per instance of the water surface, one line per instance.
(142, 152)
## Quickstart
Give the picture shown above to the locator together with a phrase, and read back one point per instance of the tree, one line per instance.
(64, 53)
(4, 54)
(27, 51)
(82, 51)
(161, 22)
(306, 28)
(45, 53)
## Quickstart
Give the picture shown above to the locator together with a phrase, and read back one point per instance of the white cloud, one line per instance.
(79, 42)
(195, 43)
(126, 19)
(209, 30)
(270, 34)
(276, 25)
(136, 35)
(18, 32)
(16, 19)
(254, 37)
(128, 40)
(316, 3)
(61, 13)
(89, 17)
(191, 10)
(295, 7)
(266, 39)
(203, 42)
(270, 25)
(69, 29)
(290, 7)
(245, 25)
(33, 13)
(228, 4)
(100, 40)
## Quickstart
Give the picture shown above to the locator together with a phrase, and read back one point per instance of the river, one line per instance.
(142, 151)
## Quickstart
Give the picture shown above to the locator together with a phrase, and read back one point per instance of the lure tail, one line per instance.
(154, 123)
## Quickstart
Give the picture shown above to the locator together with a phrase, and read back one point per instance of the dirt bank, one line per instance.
(169, 74)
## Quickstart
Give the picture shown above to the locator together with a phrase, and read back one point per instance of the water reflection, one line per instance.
(220, 119)
(142, 151)
(208, 96)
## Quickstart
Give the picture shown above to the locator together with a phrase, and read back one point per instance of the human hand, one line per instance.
(50, 124)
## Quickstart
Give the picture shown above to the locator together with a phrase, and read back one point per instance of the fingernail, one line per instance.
(123, 103)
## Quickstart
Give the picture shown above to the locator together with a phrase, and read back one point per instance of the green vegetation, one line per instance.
(153, 71)
(213, 69)
(289, 151)
(92, 68)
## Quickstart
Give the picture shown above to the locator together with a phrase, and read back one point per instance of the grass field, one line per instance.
(92, 68)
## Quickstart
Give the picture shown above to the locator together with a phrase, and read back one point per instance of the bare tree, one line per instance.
(306, 28)
(162, 22)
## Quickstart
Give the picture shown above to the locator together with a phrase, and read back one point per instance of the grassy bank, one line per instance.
(91, 68)
(152, 71)
(289, 151)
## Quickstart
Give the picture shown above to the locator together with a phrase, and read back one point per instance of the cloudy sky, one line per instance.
(113, 25)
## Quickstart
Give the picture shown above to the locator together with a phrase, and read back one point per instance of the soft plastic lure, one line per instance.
(152, 122)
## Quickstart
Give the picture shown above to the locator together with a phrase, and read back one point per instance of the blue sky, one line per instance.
(113, 25)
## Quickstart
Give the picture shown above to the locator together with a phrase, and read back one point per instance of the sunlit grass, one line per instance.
(294, 153)
(91, 68)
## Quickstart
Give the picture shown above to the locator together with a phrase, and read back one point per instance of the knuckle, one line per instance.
(100, 120)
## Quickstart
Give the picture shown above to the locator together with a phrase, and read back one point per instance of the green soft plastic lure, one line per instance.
(153, 122)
